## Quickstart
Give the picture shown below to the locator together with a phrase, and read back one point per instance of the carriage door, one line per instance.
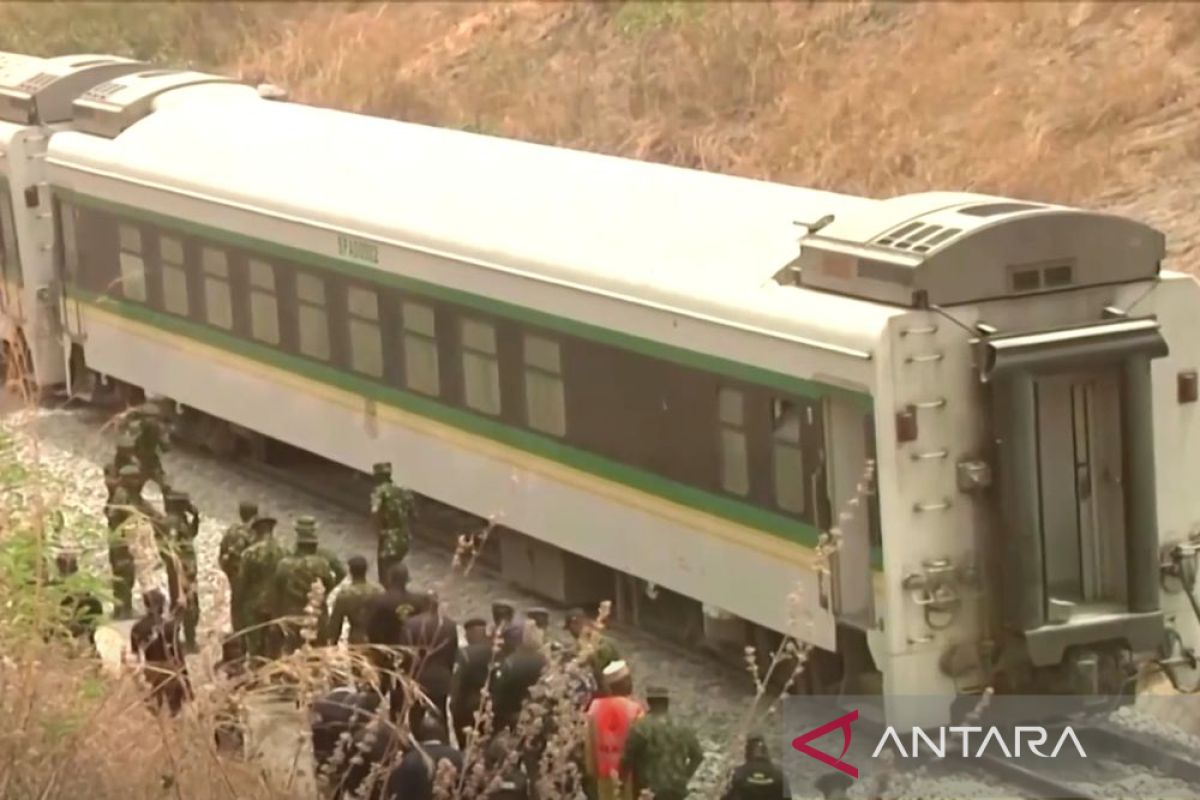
(1083, 513)
(1073, 416)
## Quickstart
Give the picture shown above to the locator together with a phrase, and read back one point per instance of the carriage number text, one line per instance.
(358, 250)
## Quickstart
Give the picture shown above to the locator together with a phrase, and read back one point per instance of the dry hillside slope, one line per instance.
(1092, 103)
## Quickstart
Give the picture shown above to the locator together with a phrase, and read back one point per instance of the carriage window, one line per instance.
(133, 268)
(366, 349)
(545, 405)
(420, 349)
(264, 308)
(735, 466)
(174, 277)
(314, 322)
(69, 219)
(218, 302)
(481, 368)
(9, 260)
(787, 457)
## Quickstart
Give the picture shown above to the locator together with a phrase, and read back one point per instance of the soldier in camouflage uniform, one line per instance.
(234, 542)
(661, 754)
(294, 581)
(124, 457)
(151, 440)
(351, 604)
(598, 650)
(125, 506)
(256, 588)
(178, 551)
(391, 513)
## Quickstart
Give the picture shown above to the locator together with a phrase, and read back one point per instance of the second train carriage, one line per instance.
(660, 371)
(35, 103)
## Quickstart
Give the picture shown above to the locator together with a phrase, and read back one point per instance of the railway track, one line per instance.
(1114, 750)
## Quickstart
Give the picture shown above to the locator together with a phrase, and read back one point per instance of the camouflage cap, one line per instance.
(261, 522)
(306, 529)
(248, 507)
(383, 469)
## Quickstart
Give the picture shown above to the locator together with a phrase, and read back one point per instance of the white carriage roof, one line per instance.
(696, 241)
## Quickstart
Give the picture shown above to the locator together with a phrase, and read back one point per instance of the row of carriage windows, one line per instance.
(545, 399)
(544, 396)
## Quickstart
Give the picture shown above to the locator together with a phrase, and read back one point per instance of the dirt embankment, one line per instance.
(1092, 103)
(1089, 103)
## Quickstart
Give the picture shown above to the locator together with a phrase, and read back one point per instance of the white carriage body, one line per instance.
(675, 257)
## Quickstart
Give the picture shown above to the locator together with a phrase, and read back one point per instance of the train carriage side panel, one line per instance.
(621, 520)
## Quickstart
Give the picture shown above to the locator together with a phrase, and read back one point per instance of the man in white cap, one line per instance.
(609, 720)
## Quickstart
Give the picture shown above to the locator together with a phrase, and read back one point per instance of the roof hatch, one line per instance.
(944, 249)
(109, 108)
(40, 91)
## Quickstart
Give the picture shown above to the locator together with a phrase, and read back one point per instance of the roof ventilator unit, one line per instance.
(981, 248)
(40, 91)
(109, 109)
(917, 238)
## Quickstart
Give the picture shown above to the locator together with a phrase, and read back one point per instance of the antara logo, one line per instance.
(1031, 736)
(1037, 737)
(801, 743)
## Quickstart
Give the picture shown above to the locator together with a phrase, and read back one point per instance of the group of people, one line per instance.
(489, 696)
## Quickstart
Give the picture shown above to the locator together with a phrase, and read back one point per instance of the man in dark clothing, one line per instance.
(434, 639)
(419, 770)
(155, 638)
(386, 616)
(372, 739)
(470, 676)
(503, 614)
(758, 778)
(521, 667)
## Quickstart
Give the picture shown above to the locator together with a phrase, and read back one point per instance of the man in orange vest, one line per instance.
(609, 720)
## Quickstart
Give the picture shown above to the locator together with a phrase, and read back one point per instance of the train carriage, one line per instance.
(670, 374)
(35, 103)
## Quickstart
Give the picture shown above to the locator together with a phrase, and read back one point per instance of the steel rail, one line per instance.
(1154, 753)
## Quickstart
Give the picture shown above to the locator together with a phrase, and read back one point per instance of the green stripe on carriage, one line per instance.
(761, 519)
(583, 330)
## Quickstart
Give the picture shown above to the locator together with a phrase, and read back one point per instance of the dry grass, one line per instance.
(1083, 102)
(1051, 101)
